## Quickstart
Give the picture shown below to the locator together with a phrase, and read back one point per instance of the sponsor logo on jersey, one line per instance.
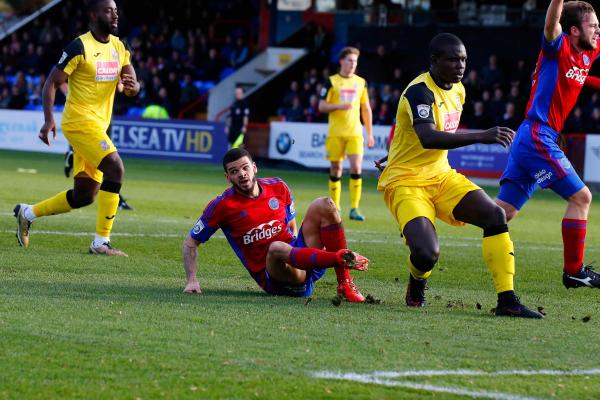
(198, 227)
(542, 176)
(107, 71)
(451, 121)
(347, 95)
(264, 231)
(423, 110)
(273, 203)
(577, 74)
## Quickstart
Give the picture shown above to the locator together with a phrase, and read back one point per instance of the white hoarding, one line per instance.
(304, 143)
(19, 131)
(591, 170)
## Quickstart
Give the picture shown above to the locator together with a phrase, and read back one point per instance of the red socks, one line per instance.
(309, 258)
(333, 239)
(573, 233)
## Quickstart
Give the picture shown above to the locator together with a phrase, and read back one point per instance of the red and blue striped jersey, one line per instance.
(250, 224)
(559, 75)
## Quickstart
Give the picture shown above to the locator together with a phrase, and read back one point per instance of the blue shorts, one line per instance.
(286, 289)
(536, 159)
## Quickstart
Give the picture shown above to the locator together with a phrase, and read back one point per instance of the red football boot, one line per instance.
(348, 290)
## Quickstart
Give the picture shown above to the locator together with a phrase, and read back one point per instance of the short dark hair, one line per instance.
(233, 155)
(94, 5)
(440, 43)
(348, 50)
(573, 13)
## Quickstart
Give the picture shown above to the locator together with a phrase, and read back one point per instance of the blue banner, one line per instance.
(169, 139)
(480, 160)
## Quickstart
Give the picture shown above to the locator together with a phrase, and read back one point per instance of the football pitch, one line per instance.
(73, 325)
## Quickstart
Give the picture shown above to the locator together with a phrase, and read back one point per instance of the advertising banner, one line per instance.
(591, 169)
(304, 143)
(172, 140)
(19, 131)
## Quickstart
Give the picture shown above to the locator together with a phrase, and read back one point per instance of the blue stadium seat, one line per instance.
(135, 111)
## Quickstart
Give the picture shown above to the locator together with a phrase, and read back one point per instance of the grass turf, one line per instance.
(73, 325)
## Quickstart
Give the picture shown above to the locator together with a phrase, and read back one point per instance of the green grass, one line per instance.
(74, 325)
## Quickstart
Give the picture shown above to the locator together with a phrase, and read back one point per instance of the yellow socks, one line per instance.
(54, 205)
(355, 190)
(498, 254)
(108, 203)
(335, 191)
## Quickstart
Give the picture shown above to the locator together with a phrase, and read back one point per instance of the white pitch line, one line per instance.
(382, 378)
(221, 236)
(481, 394)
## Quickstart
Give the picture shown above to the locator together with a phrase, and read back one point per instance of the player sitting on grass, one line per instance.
(258, 218)
(419, 184)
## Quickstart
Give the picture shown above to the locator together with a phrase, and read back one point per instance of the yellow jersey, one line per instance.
(94, 68)
(340, 90)
(409, 164)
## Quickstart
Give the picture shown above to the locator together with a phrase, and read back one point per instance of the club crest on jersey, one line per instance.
(115, 55)
(566, 164)
(586, 60)
(423, 110)
(104, 144)
(273, 203)
(458, 103)
(198, 227)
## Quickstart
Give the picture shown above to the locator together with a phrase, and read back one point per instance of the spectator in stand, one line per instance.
(18, 100)
(189, 92)
(173, 92)
(574, 123)
(288, 97)
(521, 75)
(295, 113)
(178, 42)
(592, 124)
(479, 119)
(211, 69)
(491, 74)
(473, 85)
(497, 104)
(383, 116)
(312, 111)
(240, 53)
(5, 97)
(509, 119)
(519, 101)
(398, 81)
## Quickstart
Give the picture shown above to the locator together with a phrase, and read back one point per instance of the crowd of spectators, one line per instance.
(177, 59)
(496, 94)
(180, 55)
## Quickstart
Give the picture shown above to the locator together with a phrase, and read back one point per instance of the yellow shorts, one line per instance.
(337, 147)
(89, 149)
(437, 200)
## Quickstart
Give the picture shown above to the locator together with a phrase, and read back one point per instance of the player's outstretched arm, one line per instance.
(56, 79)
(190, 264)
(552, 28)
(431, 138)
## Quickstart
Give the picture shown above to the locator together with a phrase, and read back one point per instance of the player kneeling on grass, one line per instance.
(258, 218)
(419, 184)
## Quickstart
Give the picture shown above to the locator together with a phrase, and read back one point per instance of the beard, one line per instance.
(240, 189)
(105, 28)
(588, 44)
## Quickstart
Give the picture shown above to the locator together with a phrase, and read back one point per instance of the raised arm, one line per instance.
(56, 79)
(552, 28)
(190, 264)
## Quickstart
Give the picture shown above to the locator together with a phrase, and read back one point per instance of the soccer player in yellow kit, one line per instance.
(96, 64)
(419, 184)
(344, 96)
